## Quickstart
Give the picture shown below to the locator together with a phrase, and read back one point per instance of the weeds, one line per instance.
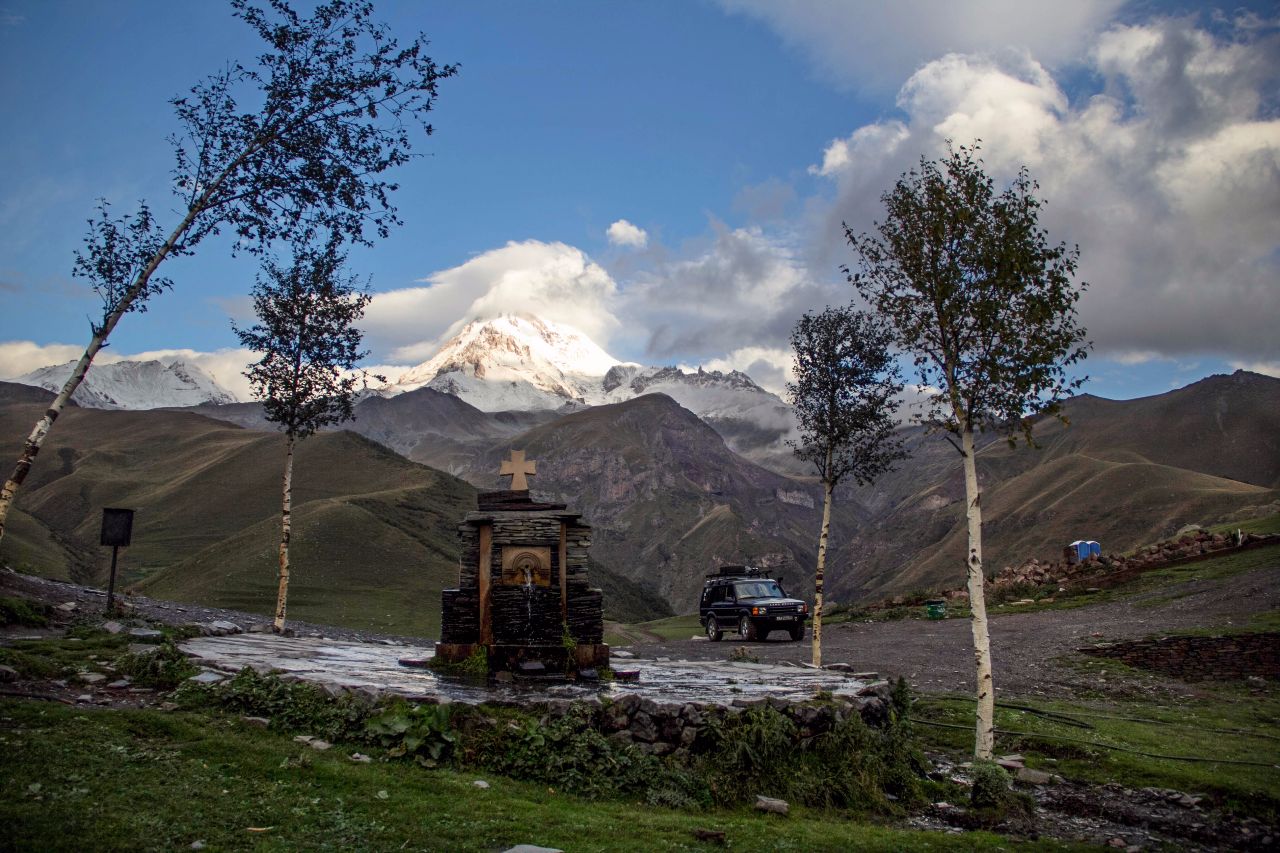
(163, 668)
(19, 611)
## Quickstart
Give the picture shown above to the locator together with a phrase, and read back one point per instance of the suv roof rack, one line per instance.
(736, 571)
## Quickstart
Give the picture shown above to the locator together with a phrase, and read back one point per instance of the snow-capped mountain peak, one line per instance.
(514, 361)
(134, 384)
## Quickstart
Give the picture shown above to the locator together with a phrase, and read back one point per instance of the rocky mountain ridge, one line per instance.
(134, 385)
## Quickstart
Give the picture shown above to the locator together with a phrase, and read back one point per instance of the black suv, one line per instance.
(741, 599)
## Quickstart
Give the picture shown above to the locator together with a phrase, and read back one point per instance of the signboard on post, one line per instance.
(117, 527)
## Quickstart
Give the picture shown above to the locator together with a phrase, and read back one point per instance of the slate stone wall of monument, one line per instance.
(523, 589)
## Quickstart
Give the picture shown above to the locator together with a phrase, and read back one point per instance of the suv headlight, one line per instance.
(758, 611)
(804, 608)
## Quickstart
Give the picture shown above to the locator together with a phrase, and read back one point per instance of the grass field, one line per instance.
(1239, 725)
(75, 778)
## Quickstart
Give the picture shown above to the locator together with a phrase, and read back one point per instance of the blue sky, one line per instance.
(734, 136)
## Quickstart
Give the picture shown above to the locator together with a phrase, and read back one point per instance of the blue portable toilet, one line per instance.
(1081, 548)
(1095, 550)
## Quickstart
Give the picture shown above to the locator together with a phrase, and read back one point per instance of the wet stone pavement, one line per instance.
(375, 667)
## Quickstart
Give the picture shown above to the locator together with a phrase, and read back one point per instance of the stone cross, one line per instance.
(517, 467)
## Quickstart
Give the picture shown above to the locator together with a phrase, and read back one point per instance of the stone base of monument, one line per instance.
(554, 659)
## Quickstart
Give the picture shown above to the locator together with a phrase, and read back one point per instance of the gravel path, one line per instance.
(935, 656)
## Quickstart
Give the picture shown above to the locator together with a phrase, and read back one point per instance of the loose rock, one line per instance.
(771, 805)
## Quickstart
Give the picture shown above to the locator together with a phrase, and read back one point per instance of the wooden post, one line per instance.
(564, 572)
(111, 584)
(483, 575)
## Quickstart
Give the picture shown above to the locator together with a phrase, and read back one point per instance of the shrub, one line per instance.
(164, 668)
(19, 611)
(420, 731)
(291, 706)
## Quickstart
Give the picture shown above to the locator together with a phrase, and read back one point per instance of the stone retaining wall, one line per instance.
(1112, 569)
(1199, 658)
(680, 730)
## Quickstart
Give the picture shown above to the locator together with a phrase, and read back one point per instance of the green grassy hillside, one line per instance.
(374, 539)
(1123, 472)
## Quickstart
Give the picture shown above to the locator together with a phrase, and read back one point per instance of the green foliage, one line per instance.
(308, 339)
(572, 755)
(476, 664)
(61, 657)
(845, 395)
(751, 755)
(420, 731)
(163, 668)
(291, 706)
(990, 786)
(19, 611)
(975, 293)
(852, 766)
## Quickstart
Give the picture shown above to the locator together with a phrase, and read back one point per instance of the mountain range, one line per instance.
(134, 384)
(511, 363)
(670, 495)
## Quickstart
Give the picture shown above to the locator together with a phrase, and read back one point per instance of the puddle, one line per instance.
(376, 667)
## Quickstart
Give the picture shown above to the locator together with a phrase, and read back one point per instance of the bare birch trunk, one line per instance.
(827, 489)
(36, 439)
(984, 738)
(286, 528)
(100, 335)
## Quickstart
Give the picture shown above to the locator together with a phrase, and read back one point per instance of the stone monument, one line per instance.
(523, 595)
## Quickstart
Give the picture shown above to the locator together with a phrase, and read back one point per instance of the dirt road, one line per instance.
(936, 656)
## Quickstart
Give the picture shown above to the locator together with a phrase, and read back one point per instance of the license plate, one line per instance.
(786, 618)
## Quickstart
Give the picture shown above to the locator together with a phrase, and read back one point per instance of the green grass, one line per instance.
(19, 611)
(54, 658)
(674, 627)
(1235, 724)
(1270, 524)
(1170, 579)
(144, 780)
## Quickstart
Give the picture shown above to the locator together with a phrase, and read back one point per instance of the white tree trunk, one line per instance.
(827, 489)
(36, 439)
(286, 527)
(984, 742)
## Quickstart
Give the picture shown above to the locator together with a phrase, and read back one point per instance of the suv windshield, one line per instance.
(758, 589)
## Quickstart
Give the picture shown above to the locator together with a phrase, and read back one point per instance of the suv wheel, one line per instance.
(713, 630)
(797, 633)
(746, 628)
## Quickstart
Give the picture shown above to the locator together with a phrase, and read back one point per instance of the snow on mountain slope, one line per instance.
(514, 362)
(134, 385)
(524, 363)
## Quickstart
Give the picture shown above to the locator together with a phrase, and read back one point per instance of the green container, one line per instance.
(936, 609)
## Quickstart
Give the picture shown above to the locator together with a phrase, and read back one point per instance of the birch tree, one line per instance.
(310, 345)
(845, 396)
(986, 305)
(293, 145)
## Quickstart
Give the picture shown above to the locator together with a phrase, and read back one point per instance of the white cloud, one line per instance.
(1168, 179)
(771, 367)
(1133, 357)
(876, 45)
(21, 357)
(226, 366)
(623, 233)
(1266, 368)
(552, 280)
(743, 289)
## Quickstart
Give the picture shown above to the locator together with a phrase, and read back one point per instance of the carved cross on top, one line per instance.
(517, 468)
